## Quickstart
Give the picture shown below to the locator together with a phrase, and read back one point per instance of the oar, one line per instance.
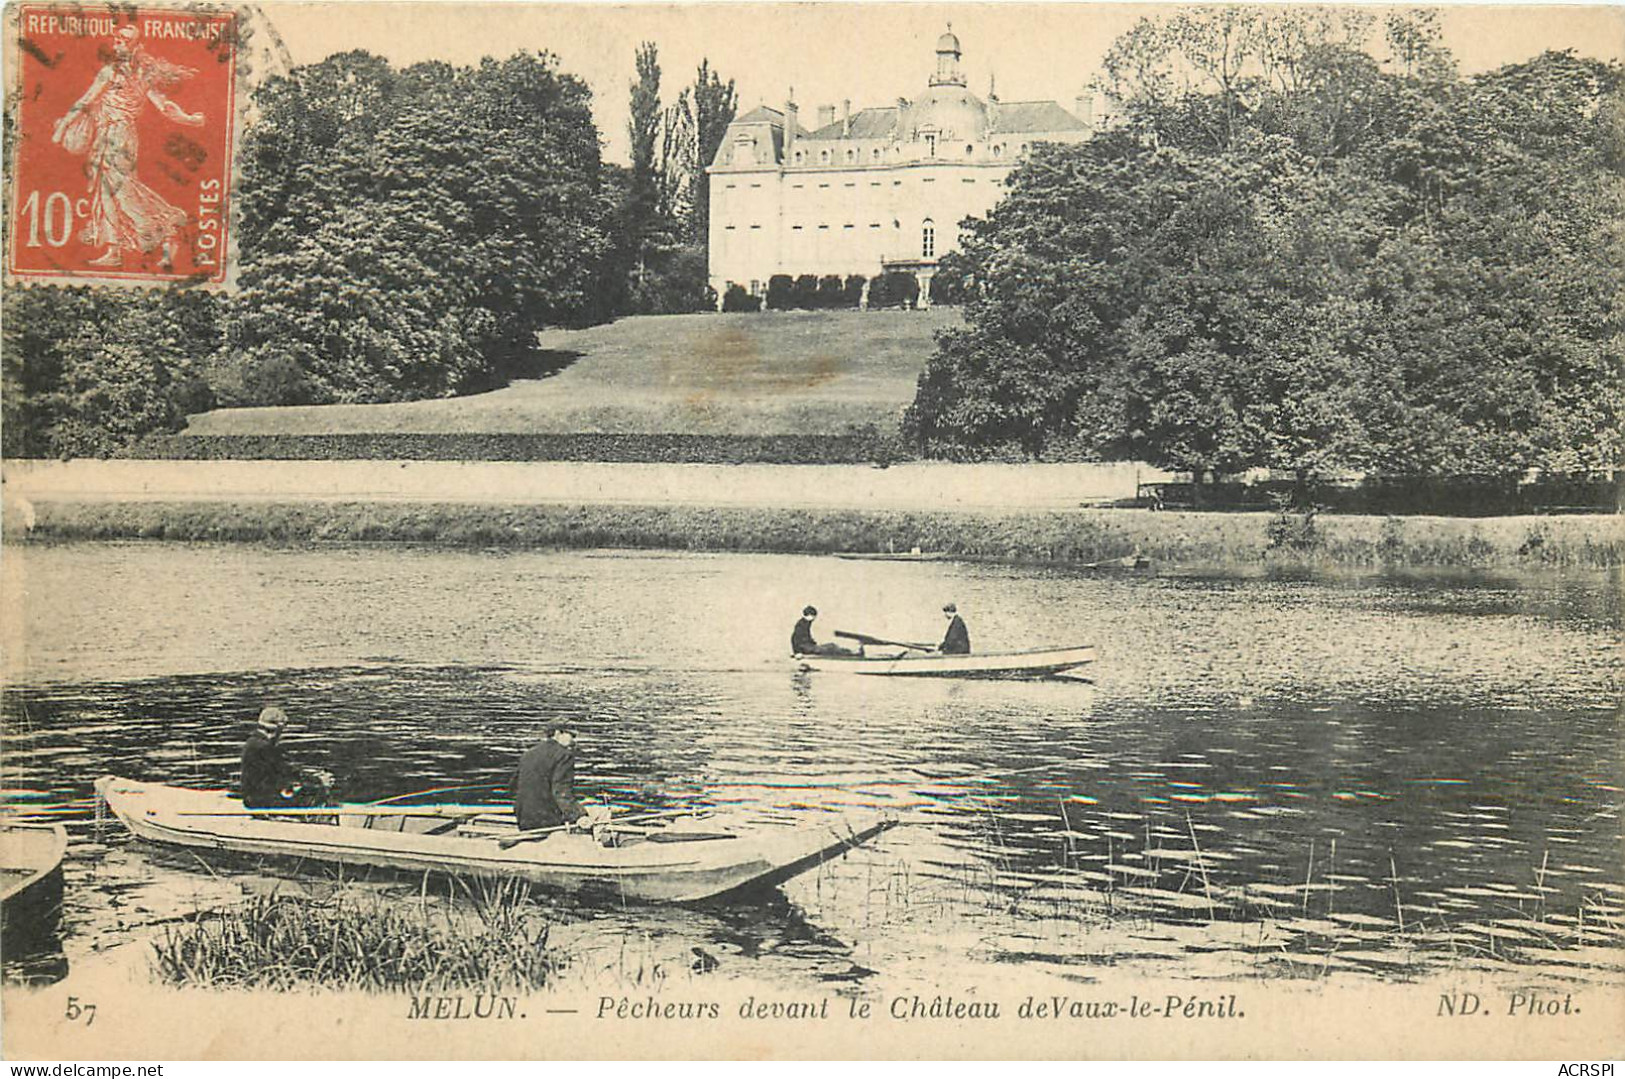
(537, 833)
(864, 638)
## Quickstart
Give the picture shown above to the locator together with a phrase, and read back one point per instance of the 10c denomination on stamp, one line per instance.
(125, 125)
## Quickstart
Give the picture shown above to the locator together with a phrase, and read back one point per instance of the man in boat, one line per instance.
(956, 642)
(802, 642)
(544, 785)
(270, 780)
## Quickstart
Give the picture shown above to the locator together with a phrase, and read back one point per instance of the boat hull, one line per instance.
(709, 866)
(31, 894)
(1071, 663)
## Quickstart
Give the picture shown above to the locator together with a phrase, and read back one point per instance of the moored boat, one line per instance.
(1039, 663)
(30, 884)
(681, 861)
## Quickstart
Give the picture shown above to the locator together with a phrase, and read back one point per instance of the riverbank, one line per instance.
(1052, 537)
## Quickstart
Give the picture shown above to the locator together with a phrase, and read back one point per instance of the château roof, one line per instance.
(1014, 117)
(1007, 118)
(766, 114)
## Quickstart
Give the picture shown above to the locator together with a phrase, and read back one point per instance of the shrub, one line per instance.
(737, 299)
(854, 289)
(831, 291)
(780, 292)
(894, 289)
(804, 294)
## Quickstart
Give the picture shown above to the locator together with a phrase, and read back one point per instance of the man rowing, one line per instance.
(270, 780)
(802, 642)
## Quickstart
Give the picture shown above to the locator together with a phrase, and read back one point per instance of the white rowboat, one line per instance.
(1040, 663)
(678, 863)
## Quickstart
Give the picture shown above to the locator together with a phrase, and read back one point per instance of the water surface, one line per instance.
(1385, 774)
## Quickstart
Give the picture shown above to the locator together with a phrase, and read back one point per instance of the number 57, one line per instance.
(76, 1011)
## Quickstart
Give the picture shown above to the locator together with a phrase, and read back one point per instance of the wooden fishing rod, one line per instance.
(537, 833)
(345, 811)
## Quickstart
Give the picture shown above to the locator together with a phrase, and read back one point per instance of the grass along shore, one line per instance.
(1071, 537)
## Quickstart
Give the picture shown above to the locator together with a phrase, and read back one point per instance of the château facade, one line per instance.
(882, 189)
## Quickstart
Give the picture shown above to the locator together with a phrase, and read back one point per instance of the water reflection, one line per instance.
(1378, 774)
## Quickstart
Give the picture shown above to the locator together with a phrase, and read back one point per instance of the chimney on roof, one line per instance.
(1083, 106)
(790, 125)
(826, 115)
(846, 117)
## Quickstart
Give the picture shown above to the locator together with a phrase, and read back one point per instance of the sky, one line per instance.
(869, 53)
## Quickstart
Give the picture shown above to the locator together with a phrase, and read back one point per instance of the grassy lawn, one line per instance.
(773, 373)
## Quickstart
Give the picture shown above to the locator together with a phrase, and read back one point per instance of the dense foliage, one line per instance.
(1305, 260)
(406, 233)
(666, 207)
(402, 234)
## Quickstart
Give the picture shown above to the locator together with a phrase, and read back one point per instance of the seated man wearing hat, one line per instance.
(803, 644)
(270, 780)
(957, 640)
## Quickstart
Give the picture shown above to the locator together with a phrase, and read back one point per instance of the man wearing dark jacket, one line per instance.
(802, 642)
(957, 640)
(544, 786)
(270, 780)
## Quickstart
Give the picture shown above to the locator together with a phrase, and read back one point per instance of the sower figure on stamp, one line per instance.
(270, 780)
(125, 214)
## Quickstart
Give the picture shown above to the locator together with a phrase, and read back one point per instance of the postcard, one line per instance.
(812, 531)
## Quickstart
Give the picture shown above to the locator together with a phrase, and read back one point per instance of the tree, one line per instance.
(1295, 259)
(386, 261)
(89, 371)
(667, 211)
(715, 104)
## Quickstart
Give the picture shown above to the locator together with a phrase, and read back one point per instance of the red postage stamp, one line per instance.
(125, 125)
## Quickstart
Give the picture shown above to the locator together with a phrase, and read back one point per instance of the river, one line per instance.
(1378, 774)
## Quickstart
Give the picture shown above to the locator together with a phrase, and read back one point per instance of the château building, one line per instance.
(876, 190)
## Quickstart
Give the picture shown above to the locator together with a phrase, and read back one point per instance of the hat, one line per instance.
(272, 719)
(557, 725)
(809, 610)
(949, 608)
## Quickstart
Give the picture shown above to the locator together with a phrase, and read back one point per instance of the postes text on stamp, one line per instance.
(125, 125)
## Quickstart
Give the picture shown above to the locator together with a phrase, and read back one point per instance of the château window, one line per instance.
(928, 240)
(801, 155)
(998, 150)
(874, 155)
(931, 145)
(823, 157)
(969, 150)
(851, 157)
(756, 287)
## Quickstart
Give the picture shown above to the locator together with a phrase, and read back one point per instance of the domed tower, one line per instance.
(948, 73)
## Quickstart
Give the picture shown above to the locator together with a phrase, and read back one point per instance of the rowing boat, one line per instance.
(30, 883)
(1039, 663)
(684, 861)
